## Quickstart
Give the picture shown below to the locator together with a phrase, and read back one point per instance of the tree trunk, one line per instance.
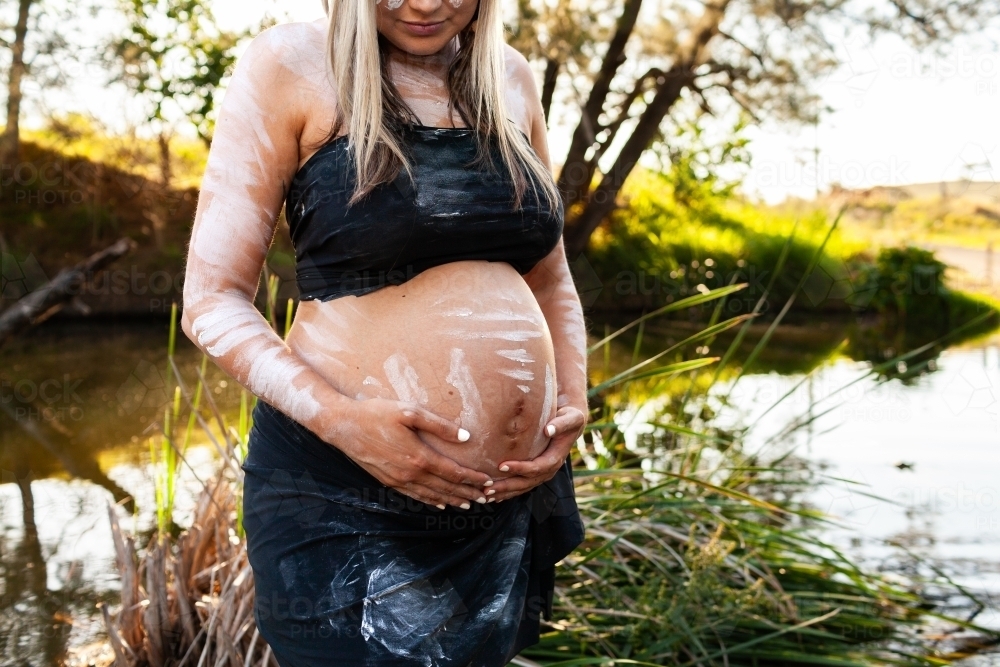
(576, 175)
(45, 301)
(10, 140)
(601, 201)
(157, 213)
(549, 84)
(166, 172)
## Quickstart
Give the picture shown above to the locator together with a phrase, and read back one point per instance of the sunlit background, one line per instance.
(863, 387)
(894, 115)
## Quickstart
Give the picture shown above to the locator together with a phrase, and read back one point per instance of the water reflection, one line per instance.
(77, 405)
(36, 618)
(928, 447)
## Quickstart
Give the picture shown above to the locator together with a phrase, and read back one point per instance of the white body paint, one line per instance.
(403, 379)
(526, 376)
(547, 405)
(515, 335)
(519, 354)
(463, 315)
(460, 377)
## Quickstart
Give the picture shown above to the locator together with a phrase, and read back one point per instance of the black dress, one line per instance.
(348, 572)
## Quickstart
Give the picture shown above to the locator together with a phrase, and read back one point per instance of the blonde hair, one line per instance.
(374, 114)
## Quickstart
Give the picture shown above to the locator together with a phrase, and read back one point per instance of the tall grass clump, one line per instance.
(187, 596)
(699, 552)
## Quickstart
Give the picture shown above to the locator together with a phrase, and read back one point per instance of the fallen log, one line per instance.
(47, 300)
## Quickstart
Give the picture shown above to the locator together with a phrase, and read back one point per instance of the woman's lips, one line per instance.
(423, 29)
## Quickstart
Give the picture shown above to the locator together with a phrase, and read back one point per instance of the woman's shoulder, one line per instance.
(297, 48)
(523, 102)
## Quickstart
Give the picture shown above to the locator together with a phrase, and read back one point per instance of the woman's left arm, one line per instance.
(552, 284)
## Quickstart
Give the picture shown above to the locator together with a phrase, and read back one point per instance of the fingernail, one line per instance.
(440, 507)
(504, 468)
(491, 492)
(463, 435)
(481, 501)
(489, 482)
(465, 506)
(491, 500)
(550, 430)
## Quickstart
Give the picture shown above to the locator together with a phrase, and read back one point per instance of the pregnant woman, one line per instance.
(407, 488)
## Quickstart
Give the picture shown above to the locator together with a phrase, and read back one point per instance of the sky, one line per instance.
(899, 116)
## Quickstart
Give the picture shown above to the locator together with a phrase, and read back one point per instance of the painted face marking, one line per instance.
(523, 387)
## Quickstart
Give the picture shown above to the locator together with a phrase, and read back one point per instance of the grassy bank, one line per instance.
(675, 238)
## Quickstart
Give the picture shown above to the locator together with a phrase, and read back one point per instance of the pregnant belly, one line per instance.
(465, 340)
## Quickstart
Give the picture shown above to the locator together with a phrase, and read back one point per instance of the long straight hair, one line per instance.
(375, 115)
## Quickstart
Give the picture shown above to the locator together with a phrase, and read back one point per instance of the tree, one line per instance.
(764, 56)
(173, 55)
(37, 44)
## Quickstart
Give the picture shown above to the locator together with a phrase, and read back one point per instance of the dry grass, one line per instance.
(190, 604)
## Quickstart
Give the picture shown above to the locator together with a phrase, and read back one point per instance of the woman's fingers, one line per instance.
(424, 420)
(531, 474)
(425, 495)
(563, 429)
(567, 420)
(459, 494)
(513, 486)
(447, 469)
(547, 462)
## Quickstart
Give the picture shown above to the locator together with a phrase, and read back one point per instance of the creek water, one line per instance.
(78, 402)
(905, 467)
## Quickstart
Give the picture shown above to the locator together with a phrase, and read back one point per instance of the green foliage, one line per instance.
(698, 553)
(661, 248)
(174, 54)
(906, 281)
(911, 305)
(76, 136)
(685, 230)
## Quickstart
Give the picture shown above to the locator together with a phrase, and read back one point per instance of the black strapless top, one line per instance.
(449, 211)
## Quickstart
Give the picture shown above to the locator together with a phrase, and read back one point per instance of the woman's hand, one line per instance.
(564, 429)
(380, 435)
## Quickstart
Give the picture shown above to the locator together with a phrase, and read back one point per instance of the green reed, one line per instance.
(698, 552)
(162, 448)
